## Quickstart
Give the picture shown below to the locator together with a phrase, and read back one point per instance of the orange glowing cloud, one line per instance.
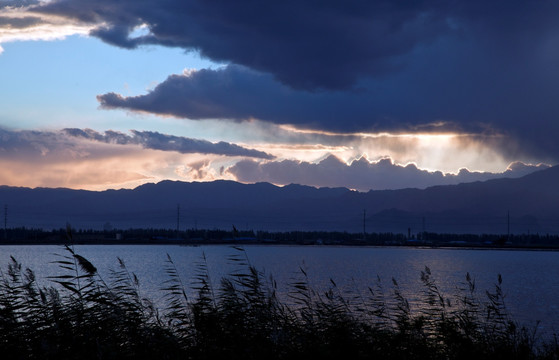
(57, 159)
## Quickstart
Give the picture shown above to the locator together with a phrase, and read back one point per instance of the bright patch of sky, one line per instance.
(54, 84)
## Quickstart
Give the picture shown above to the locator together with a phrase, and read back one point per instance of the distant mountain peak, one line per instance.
(469, 207)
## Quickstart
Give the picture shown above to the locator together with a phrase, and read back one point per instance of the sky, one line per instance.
(366, 95)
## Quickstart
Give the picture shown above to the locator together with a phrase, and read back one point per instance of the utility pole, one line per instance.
(178, 217)
(508, 225)
(424, 232)
(5, 222)
(364, 229)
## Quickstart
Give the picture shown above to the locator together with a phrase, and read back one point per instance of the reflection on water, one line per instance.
(530, 280)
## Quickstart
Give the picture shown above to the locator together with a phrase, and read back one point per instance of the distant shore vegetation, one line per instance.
(22, 235)
(82, 315)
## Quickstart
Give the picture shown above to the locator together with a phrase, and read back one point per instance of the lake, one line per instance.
(530, 278)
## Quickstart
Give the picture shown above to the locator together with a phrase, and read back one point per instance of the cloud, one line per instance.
(326, 44)
(305, 44)
(19, 22)
(157, 141)
(232, 92)
(361, 174)
(447, 152)
(53, 159)
(238, 93)
(476, 66)
(86, 159)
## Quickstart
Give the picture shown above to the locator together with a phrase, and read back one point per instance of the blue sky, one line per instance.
(102, 94)
(49, 84)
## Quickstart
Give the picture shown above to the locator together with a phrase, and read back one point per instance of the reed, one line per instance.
(81, 315)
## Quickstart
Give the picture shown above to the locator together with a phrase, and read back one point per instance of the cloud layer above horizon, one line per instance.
(382, 65)
(367, 95)
(363, 175)
(86, 159)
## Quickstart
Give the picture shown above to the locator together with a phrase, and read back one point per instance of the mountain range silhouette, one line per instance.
(529, 204)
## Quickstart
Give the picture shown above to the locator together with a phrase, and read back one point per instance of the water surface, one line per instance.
(530, 280)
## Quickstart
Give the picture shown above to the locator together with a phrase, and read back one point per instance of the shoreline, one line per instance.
(185, 242)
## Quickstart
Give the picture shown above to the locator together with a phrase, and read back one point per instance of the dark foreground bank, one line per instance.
(85, 316)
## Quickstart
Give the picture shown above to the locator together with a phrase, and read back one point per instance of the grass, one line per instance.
(84, 316)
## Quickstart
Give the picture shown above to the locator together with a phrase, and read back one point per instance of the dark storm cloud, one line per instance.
(238, 93)
(478, 65)
(307, 44)
(310, 44)
(157, 141)
(361, 175)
